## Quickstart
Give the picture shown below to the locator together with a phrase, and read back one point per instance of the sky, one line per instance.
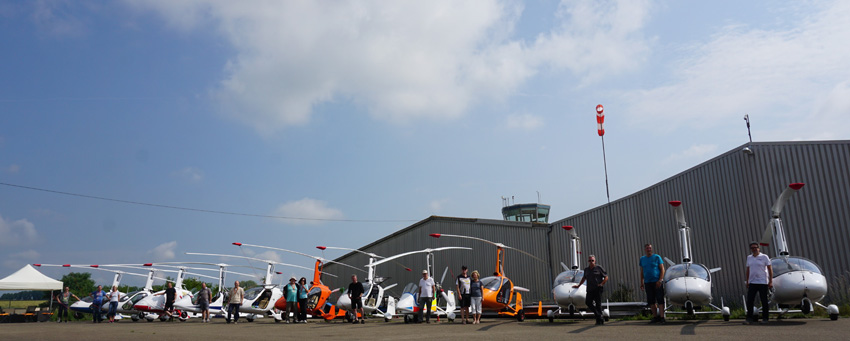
(360, 118)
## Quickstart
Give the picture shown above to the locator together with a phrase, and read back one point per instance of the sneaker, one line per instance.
(746, 322)
(662, 321)
(653, 320)
(235, 322)
(763, 322)
(362, 321)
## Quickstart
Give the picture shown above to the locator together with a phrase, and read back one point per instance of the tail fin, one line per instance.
(451, 305)
(390, 306)
(767, 237)
(518, 301)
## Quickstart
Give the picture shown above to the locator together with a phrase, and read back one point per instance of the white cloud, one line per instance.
(525, 121)
(692, 154)
(190, 174)
(437, 205)
(308, 208)
(55, 18)
(401, 60)
(164, 251)
(17, 260)
(13, 169)
(778, 75)
(17, 232)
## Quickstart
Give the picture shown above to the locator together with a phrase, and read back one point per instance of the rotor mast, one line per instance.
(684, 231)
(775, 230)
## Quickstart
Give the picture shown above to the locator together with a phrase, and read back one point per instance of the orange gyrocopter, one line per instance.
(498, 290)
(318, 293)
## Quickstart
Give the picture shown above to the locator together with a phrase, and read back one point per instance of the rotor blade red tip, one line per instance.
(279, 273)
(237, 244)
(408, 269)
(435, 235)
(321, 247)
(94, 266)
(66, 265)
(796, 186)
(764, 244)
(37, 264)
(675, 203)
(147, 264)
(567, 227)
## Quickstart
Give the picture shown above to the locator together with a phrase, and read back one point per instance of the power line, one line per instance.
(204, 210)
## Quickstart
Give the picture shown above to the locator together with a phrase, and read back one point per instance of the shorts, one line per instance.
(653, 295)
(475, 306)
(465, 300)
(356, 303)
(204, 306)
(169, 306)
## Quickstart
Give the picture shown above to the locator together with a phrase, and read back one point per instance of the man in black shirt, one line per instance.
(355, 291)
(596, 277)
(169, 293)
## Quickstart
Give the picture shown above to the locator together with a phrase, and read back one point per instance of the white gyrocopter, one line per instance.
(154, 304)
(260, 300)
(797, 282)
(373, 291)
(128, 300)
(407, 303)
(688, 284)
(571, 301)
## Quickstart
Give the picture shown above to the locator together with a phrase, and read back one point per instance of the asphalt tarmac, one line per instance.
(377, 329)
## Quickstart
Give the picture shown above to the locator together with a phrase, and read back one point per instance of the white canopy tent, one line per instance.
(28, 278)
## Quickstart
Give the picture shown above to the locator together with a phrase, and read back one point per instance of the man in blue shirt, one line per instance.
(290, 291)
(652, 281)
(96, 303)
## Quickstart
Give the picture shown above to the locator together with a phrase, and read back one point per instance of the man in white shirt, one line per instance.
(426, 295)
(759, 280)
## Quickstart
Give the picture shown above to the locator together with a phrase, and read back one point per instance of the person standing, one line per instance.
(290, 292)
(237, 294)
(204, 298)
(462, 283)
(355, 293)
(170, 294)
(114, 297)
(652, 281)
(426, 296)
(759, 281)
(596, 277)
(64, 300)
(476, 293)
(96, 303)
(302, 300)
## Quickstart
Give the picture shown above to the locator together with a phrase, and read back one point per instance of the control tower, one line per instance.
(534, 213)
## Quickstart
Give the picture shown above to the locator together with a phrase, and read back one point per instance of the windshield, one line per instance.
(686, 270)
(492, 282)
(315, 291)
(411, 288)
(569, 276)
(783, 265)
(124, 298)
(253, 293)
(366, 288)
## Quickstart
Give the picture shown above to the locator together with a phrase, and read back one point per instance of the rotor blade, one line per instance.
(767, 237)
(299, 253)
(519, 288)
(444, 276)
(96, 267)
(714, 270)
(566, 268)
(786, 194)
(252, 258)
(419, 251)
(390, 286)
(679, 211)
(669, 261)
(347, 249)
(438, 235)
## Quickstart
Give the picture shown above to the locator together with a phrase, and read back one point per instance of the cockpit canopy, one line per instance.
(253, 293)
(569, 276)
(493, 282)
(687, 270)
(782, 265)
(411, 288)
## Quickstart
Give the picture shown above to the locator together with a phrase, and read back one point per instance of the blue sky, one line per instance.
(389, 111)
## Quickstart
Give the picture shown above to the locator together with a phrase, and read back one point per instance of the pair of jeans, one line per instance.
(423, 301)
(63, 313)
(97, 313)
(113, 307)
(594, 301)
(291, 307)
(230, 311)
(302, 307)
(761, 290)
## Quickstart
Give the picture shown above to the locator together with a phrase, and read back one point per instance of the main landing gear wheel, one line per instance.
(134, 317)
(249, 319)
(520, 316)
(348, 317)
(807, 307)
(606, 318)
(406, 318)
(78, 315)
(833, 317)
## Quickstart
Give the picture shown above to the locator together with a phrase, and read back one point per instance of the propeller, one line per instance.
(500, 245)
(321, 259)
(669, 261)
(519, 288)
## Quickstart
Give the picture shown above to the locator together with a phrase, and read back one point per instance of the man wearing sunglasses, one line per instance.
(596, 277)
(759, 280)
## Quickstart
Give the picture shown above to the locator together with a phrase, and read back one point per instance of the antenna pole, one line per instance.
(608, 193)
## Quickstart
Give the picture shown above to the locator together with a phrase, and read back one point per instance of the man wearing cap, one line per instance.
(462, 284)
(291, 293)
(355, 293)
(759, 281)
(426, 295)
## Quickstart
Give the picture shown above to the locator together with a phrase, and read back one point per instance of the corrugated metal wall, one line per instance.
(727, 204)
